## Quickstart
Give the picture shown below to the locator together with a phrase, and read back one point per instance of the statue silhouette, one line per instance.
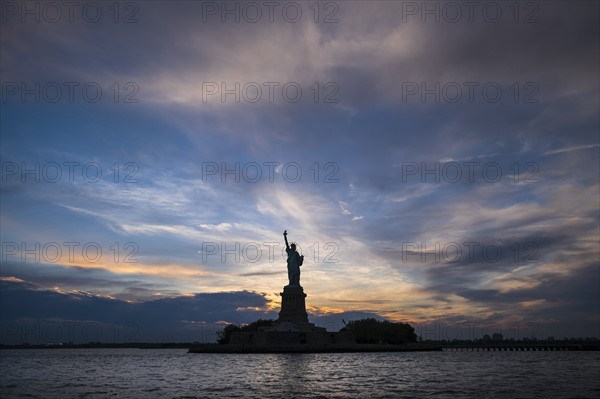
(294, 261)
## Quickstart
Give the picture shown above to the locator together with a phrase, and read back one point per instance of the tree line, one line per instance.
(366, 331)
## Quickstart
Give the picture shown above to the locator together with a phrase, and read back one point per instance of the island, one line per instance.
(292, 332)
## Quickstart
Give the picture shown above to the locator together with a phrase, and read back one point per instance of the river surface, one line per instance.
(173, 373)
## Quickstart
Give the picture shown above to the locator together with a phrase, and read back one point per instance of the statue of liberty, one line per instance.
(294, 261)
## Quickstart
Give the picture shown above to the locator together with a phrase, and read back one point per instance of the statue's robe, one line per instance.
(293, 265)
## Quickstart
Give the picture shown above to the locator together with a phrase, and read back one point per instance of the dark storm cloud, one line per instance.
(437, 52)
(574, 291)
(460, 262)
(174, 319)
(560, 305)
(442, 51)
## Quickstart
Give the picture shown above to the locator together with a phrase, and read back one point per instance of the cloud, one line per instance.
(27, 314)
(569, 149)
(353, 209)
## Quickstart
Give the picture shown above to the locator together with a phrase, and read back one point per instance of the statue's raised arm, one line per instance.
(287, 246)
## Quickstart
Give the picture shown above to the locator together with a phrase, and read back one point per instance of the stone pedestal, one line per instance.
(293, 305)
(292, 316)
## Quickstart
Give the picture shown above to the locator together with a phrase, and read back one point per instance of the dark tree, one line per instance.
(373, 331)
(254, 326)
(223, 337)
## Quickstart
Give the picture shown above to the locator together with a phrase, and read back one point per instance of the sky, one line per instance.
(436, 163)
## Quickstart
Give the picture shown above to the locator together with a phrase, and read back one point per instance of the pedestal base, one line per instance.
(291, 332)
(293, 305)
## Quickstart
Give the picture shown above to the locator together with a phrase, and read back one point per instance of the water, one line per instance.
(173, 373)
